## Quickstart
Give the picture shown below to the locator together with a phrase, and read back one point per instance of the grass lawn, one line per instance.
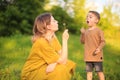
(15, 49)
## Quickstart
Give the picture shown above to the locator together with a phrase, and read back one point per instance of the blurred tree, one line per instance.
(79, 13)
(17, 16)
(64, 20)
(109, 21)
(76, 10)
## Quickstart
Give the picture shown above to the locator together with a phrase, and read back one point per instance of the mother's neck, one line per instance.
(49, 35)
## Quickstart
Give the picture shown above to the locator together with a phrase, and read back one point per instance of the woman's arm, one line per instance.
(64, 51)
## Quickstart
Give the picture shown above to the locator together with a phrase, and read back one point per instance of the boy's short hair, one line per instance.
(96, 14)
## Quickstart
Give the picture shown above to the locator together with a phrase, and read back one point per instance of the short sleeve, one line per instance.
(57, 44)
(47, 52)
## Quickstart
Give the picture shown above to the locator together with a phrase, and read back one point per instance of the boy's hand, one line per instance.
(82, 30)
(96, 51)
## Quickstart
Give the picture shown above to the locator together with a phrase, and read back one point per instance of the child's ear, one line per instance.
(96, 21)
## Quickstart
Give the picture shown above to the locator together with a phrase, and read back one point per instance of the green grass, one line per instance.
(15, 49)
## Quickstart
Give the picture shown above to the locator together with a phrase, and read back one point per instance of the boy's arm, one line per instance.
(82, 38)
(102, 43)
(102, 40)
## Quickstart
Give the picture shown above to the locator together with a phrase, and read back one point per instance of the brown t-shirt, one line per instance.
(93, 39)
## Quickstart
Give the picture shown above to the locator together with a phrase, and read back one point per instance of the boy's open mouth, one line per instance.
(87, 21)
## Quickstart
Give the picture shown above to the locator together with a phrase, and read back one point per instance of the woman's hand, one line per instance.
(50, 67)
(65, 35)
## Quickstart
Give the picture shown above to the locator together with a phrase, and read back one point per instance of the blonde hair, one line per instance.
(39, 28)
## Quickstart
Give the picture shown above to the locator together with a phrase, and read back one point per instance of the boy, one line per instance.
(93, 40)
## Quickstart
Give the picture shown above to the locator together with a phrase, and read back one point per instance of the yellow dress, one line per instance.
(42, 54)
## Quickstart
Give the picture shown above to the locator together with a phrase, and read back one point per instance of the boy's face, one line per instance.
(91, 19)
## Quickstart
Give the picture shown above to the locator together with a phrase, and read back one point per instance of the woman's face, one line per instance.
(53, 24)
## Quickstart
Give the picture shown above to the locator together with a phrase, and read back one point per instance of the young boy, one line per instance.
(93, 40)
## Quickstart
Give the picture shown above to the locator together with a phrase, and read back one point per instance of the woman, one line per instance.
(47, 60)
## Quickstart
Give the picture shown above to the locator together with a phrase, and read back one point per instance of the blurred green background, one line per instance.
(16, 22)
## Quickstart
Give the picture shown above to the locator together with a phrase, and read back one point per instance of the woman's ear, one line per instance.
(48, 27)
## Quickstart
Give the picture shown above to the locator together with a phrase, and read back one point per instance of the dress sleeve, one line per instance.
(48, 53)
(57, 44)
